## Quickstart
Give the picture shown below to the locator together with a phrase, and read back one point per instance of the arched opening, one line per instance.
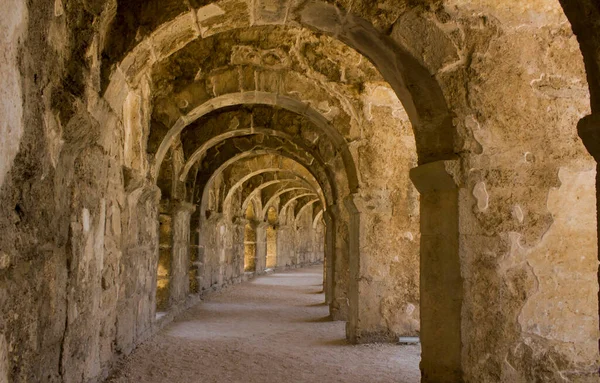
(312, 123)
(451, 184)
(341, 123)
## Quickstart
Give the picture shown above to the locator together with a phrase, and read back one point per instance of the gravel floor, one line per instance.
(272, 329)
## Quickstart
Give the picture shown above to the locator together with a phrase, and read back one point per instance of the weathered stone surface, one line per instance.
(14, 25)
(313, 112)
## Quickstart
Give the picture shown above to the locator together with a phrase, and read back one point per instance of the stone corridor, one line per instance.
(437, 157)
(274, 328)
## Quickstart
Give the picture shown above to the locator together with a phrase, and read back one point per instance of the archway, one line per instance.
(468, 178)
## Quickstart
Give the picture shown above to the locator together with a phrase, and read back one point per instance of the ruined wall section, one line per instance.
(388, 213)
(517, 92)
(303, 240)
(318, 241)
(222, 242)
(78, 249)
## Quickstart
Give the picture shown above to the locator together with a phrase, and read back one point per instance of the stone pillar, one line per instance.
(234, 260)
(272, 251)
(285, 246)
(383, 285)
(181, 213)
(261, 247)
(328, 279)
(441, 284)
(196, 266)
(250, 245)
(340, 273)
(588, 129)
(163, 281)
(225, 251)
(4, 360)
(318, 242)
(354, 327)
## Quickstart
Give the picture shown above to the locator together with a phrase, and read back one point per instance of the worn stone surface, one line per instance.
(113, 110)
(14, 26)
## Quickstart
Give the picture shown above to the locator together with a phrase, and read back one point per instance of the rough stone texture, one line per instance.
(14, 26)
(113, 109)
(441, 283)
(504, 165)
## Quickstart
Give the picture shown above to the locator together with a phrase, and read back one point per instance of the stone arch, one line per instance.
(238, 133)
(222, 167)
(272, 200)
(318, 217)
(442, 137)
(283, 211)
(306, 206)
(510, 195)
(312, 182)
(266, 99)
(280, 184)
(260, 238)
(412, 82)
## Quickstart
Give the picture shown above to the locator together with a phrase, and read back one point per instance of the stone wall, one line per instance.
(485, 97)
(517, 90)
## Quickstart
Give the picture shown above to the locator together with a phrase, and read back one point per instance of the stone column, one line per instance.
(441, 284)
(163, 281)
(285, 246)
(261, 247)
(329, 280)
(250, 245)
(340, 274)
(588, 129)
(318, 242)
(383, 285)
(181, 213)
(234, 254)
(272, 250)
(196, 257)
(4, 360)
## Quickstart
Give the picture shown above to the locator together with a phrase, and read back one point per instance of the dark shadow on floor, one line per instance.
(316, 320)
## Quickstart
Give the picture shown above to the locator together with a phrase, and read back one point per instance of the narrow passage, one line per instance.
(272, 329)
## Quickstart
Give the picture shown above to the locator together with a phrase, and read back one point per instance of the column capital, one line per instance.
(179, 206)
(373, 201)
(137, 186)
(178, 189)
(439, 175)
(263, 225)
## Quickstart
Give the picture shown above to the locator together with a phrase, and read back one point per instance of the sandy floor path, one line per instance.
(272, 329)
